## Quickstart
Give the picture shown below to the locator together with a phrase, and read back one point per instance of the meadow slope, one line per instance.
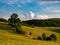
(8, 37)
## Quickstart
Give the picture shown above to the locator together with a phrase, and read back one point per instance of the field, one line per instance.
(8, 37)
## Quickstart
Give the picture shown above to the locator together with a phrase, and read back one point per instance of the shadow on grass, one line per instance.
(8, 28)
(55, 30)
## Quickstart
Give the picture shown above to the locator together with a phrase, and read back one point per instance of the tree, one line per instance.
(14, 21)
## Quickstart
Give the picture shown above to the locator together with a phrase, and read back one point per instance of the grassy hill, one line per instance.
(8, 37)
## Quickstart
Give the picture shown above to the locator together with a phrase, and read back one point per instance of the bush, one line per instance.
(53, 37)
(32, 26)
(19, 31)
(34, 38)
(39, 38)
(44, 36)
(48, 39)
(30, 33)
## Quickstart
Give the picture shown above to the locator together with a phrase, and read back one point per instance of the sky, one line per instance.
(30, 9)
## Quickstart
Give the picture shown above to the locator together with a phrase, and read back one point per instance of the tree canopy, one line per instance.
(14, 21)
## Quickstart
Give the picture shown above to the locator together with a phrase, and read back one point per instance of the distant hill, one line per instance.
(54, 18)
(52, 22)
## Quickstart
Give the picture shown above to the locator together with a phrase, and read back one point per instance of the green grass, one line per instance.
(7, 37)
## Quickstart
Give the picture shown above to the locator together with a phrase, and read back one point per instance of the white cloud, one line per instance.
(5, 17)
(54, 16)
(47, 2)
(51, 10)
(42, 17)
(56, 11)
(21, 16)
(31, 14)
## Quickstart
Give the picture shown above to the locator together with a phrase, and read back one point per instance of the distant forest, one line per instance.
(54, 22)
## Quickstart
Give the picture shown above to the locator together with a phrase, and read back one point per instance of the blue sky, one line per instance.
(30, 9)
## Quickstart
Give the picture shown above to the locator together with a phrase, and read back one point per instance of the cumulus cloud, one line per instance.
(42, 17)
(31, 14)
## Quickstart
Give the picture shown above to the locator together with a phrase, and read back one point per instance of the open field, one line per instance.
(8, 37)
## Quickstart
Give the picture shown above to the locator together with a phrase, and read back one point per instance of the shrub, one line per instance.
(44, 36)
(19, 31)
(32, 26)
(34, 38)
(48, 39)
(53, 37)
(30, 33)
(39, 38)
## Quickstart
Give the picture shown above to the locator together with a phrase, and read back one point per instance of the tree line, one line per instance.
(54, 22)
(43, 23)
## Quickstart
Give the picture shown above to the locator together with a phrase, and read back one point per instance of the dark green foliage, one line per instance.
(48, 39)
(20, 31)
(43, 23)
(39, 38)
(53, 37)
(55, 30)
(32, 26)
(14, 21)
(14, 15)
(3, 20)
(44, 36)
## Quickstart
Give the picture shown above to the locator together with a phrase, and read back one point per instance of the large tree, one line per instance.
(14, 21)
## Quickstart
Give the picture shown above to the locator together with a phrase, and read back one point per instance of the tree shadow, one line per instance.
(7, 28)
(55, 30)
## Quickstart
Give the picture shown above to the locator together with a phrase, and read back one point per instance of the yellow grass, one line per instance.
(7, 37)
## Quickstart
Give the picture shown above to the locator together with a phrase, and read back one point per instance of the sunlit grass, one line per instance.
(9, 38)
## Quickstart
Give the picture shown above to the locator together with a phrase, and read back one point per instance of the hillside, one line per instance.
(8, 37)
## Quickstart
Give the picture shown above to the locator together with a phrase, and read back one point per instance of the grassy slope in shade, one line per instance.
(7, 37)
